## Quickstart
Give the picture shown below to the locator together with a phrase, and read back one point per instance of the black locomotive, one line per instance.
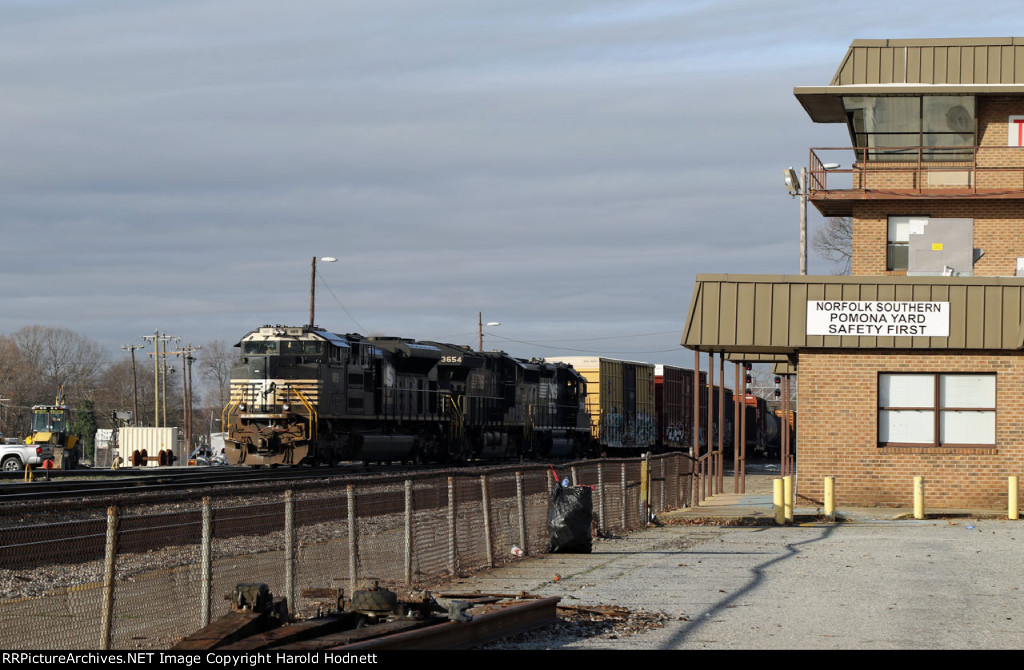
(305, 395)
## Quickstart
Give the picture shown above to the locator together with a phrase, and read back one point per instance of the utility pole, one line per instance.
(159, 338)
(135, 384)
(480, 329)
(186, 389)
(166, 372)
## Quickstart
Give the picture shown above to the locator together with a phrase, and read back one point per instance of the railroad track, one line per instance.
(101, 483)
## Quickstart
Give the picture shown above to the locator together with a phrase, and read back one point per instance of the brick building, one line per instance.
(913, 365)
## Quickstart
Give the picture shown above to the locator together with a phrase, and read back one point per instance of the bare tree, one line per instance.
(834, 241)
(36, 362)
(61, 358)
(215, 361)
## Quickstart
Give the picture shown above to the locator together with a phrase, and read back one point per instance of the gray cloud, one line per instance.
(567, 168)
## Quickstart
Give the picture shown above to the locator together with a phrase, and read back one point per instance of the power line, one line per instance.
(331, 291)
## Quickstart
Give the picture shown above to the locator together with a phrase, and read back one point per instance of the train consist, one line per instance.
(305, 395)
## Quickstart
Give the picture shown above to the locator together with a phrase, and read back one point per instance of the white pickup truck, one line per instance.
(14, 455)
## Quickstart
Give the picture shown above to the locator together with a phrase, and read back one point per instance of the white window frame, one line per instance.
(936, 409)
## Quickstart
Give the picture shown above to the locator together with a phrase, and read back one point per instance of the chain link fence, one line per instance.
(144, 581)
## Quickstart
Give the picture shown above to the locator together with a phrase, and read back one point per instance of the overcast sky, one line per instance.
(566, 167)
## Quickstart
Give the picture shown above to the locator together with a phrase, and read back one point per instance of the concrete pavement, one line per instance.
(874, 581)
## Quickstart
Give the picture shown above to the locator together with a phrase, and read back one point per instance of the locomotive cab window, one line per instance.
(299, 348)
(265, 348)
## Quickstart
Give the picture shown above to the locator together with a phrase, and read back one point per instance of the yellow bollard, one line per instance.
(830, 498)
(787, 485)
(919, 497)
(780, 513)
(1013, 512)
(28, 473)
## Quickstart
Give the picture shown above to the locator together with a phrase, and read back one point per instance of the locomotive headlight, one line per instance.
(286, 407)
(242, 406)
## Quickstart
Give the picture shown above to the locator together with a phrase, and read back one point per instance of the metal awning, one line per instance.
(764, 317)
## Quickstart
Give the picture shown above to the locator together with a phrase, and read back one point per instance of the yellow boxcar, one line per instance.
(620, 399)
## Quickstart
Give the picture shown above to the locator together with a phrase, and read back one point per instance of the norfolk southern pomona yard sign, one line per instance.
(877, 318)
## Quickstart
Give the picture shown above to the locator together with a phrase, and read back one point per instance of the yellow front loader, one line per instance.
(51, 426)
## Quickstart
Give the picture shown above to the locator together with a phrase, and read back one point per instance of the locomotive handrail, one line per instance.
(313, 419)
(225, 413)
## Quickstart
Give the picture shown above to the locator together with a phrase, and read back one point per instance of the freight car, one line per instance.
(620, 401)
(673, 393)
(305, 395)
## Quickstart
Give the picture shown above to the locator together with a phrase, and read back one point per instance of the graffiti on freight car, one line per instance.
(646, 429)
(674, 433)
(613, 429)
(618, 431)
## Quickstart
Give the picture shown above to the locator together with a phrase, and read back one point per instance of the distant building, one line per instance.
(912, 365)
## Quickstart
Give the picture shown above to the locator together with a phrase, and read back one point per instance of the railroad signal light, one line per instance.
(778, 393)
(749, 379)
(778, 380)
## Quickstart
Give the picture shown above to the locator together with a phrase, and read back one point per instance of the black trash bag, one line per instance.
(569, 520)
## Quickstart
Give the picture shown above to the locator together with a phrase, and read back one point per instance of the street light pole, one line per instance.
(803, 221)
(480, 329)
(797, 186)
(135, 384)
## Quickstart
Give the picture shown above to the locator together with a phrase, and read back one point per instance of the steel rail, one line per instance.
(503, 620)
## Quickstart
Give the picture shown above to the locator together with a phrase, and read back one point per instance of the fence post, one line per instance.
(408, 532)
(575, 479)
(451, 525)
(661, 469)
(289, 550)
(350, 492)
(645, 487)
(206, 553)
(600, 497)
(521, 502)
(622, 494)
(108, 579)
(487, 521)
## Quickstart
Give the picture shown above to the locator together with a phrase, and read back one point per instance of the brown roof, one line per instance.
(767, 314)
(971, 66)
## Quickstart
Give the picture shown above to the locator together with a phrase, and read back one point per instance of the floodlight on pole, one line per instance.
(312, 284)
(797, 186)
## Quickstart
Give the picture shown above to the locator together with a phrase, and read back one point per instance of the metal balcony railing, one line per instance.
(980, 170)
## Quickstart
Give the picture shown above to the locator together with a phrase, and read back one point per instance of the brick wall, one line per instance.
(998, 223)
(838, 433)
(998, 229)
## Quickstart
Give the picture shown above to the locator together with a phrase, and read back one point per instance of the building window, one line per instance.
(936, 410)
(902, 128)
(898, 247)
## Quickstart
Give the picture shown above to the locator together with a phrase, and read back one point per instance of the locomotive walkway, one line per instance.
(876, 580)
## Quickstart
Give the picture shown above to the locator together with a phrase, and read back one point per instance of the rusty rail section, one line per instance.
(489, 619)
(507, 619)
